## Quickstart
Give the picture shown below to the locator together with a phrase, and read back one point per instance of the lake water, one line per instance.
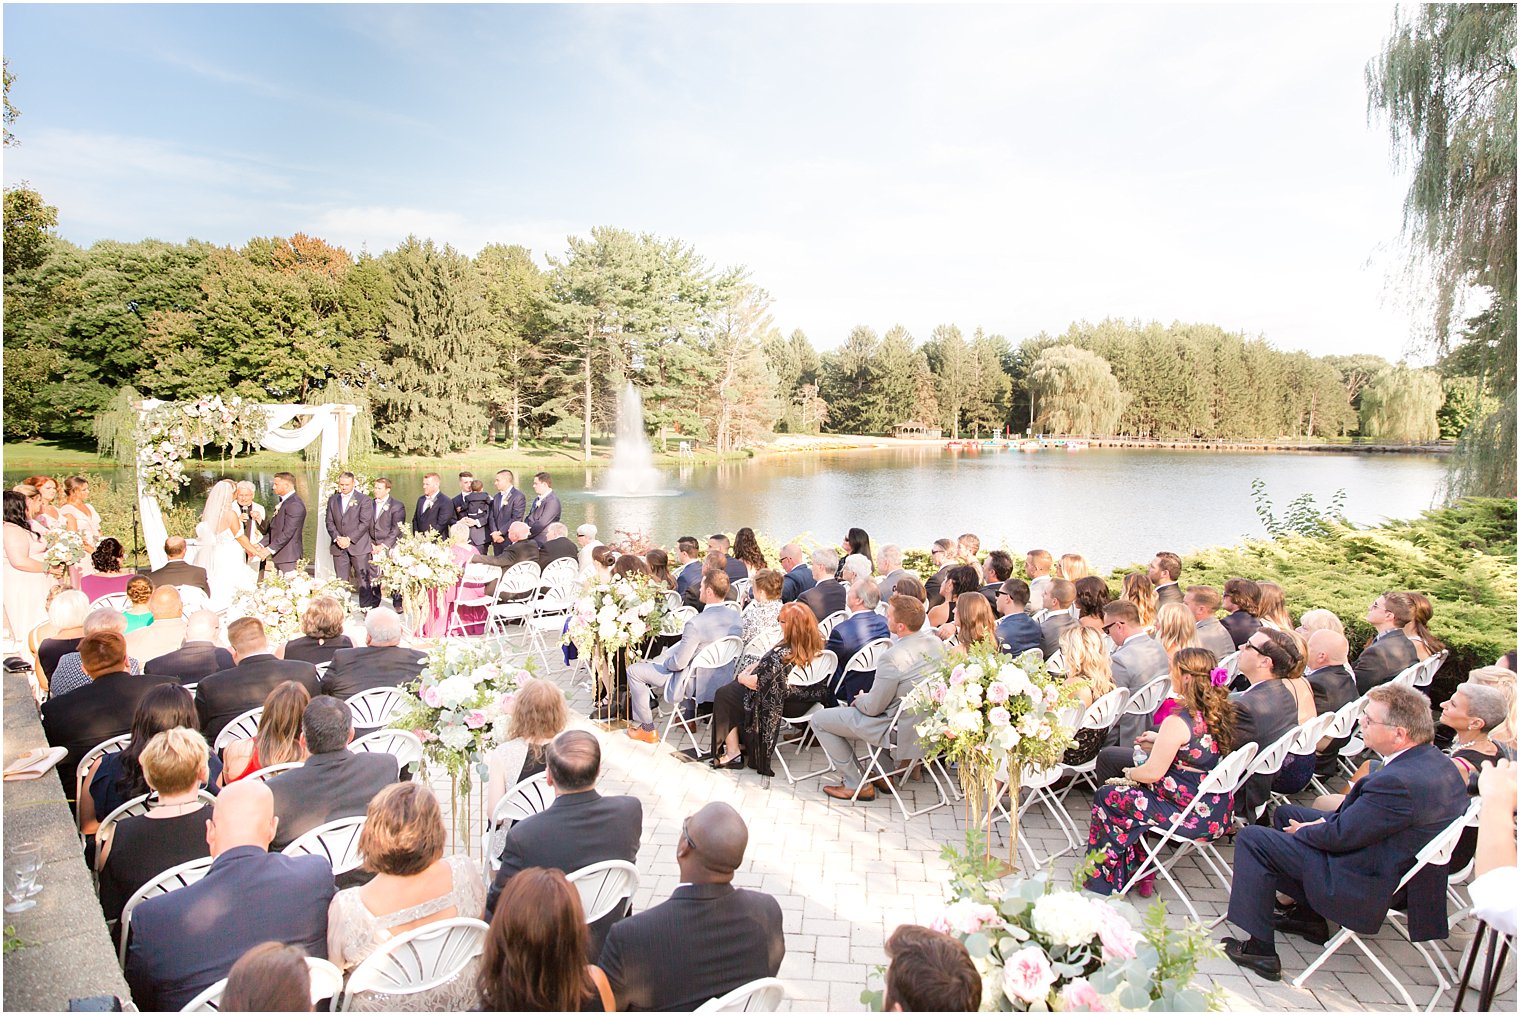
(1113, 506)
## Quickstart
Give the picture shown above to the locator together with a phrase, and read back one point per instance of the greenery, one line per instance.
(13, 942)
(1304, 517)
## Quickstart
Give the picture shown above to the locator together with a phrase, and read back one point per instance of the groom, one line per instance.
(350, 516)
(286, 525)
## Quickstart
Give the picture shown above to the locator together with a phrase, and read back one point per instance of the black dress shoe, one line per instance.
(1304, 923)
(1268, 967)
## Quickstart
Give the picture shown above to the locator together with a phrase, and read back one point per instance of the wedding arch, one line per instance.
(166, 432)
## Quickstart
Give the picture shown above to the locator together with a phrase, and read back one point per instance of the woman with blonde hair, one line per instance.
(1319, 619)
(539, 714)
(1072, 566)
(1140, 590)
(1425, 643)
(1090, 672)
(1504, 680)
(1175, 628)
(278, 739)
(974, 622)
(1272, 609)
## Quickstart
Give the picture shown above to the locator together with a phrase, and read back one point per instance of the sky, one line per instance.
(1014, 168)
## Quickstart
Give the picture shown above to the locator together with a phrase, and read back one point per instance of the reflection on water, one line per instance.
(1113, 506)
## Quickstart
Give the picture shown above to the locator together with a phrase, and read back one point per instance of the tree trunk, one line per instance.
(586, 418)
(516, 413)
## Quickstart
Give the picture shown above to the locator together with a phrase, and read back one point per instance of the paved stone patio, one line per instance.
(846, 875)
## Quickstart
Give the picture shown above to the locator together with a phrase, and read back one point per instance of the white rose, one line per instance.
(968, 720)
(1065, 918)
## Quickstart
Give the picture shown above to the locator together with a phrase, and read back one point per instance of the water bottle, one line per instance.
(1140, 755)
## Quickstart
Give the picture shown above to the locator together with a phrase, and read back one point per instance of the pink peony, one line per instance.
(1027, 975)
(475, 719)
(430, 697)
(1080, 995)
(505, 704)
(1114, 931)
(997, 693)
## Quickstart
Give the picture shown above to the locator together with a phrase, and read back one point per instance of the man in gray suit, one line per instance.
(1163, 572)
(866, 719)
(1137, 661)
(717, 620)
(1203, 602)
(1059, 595)
(889, 563)
(350, 519)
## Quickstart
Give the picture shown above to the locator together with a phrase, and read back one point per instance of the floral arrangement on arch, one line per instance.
(363, 482)
(166, 432)
(417, 564)
(281, 599)
(460, 704)
(614, 614)
(64, 548)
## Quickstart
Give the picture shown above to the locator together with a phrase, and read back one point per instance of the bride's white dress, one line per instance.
(226, 564)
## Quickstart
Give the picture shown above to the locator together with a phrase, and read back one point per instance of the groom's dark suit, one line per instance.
(436, 517)
(545, 512)
(354, 523)
(506, 508)
(286, 526)
(389, 519)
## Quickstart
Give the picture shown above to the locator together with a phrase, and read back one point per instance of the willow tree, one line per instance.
(1075, 392)
(1445, 81)
(1401, 405)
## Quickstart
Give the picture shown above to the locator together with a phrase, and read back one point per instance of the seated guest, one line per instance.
(174, 765)
(1139, 590)
(909, 585)
(659, 568)
(747, 551)
(69, 674)
(1504, 680)
(942, 556)
(974, 623)
(855, 567)
(1473, 712)
(1137, 660)
(1017, 632)
(269, 977)
(1242, 601)
(889, 563)
(1089, 671)
(732, 566)
(689, 560)
(863, 626)
(712, 562)
(519, 546)
(333, 782)
(929, 971)
(1037, 565)
(969, 547)
(581, 827)
(630, 564)
(729, 936)
(278, 739)
(1421, 610)
(961, 578)
(585, 538)
(167, 632)
(827, 596)
(1272, 610)
(1073, 567)
(321, 633)
(66, 614)
(1059, 595)
(856, 543)
(996, 569)
(536, 954)
(762, 617)
(176, 571)
(414, 885)
(751, 707)
(1203, 602)
(1333, 685)
(225, 695)
(1091, 596)
(1277, 700)
(602, 561)
(1390, 652)
(198, 656)
(138, 614)
(1319, 620)
(539, 714)
(557, 545)
(1494, 888)
(1345, 866)
(865, 719)
(109, 577)
(172, 957)
(98, 711)
(382, 662)
(1164, 570)
(116, 778)
(1190, 742)
(717, 620)
(799, 574)
(1175, 628)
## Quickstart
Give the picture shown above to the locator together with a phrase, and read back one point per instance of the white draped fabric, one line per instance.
(324, 423)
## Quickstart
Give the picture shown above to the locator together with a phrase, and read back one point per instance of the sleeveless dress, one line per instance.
(25, 591)
(1121, 814)
(226, 564)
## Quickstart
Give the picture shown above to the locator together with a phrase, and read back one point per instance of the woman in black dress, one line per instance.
(321, 633)
(751, 706)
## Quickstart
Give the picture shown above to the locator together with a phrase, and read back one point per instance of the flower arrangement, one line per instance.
(635, 541)
(165, 433)
(64, 548)
(459, 705)
(613, 614)
(281, 599)
(416, 565)
(363, 481)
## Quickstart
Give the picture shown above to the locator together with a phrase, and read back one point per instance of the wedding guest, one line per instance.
(321, 632)
(1203, 602)
(78, 514)
(69, 674)
(659, 567)
(889, 562)
(585, 538)
(1139, 590)
(33, 507)
(469, 617)
(717, 620)
(1072, 566)
(1494, 888)
(856, 541)
(199, 655)
(47, 489)
(278, 739)
(176, 571)
(1037, 565)
(545, 510)
(863, 626)
(382, 662)
(910, 586)
(747, 712)
(1017, 632)
(1091, 596)
(762, 617)
(929, 971)
(167, 632)
(539, 714)
(827, 596)
(1504, 680)
(942, 559)
(226, 694)
(1319, 620)
(415, 884)
(1090, 672)
(98, 711)
(1059, 595)
(1390, 651)
(333, 782)
(1272, 609)
(67, 614)
(536, 955)
(1137, 660)
(138, 613)
(1276, 701)
(732, 566)
(969, 546)
(602, 561)
(629, 564)
(1175, 628)
(109, 576)
(1425, 643)
(1326, 670)
(747, 551)
(973, 622)
(996, 569)
(175, 765)
(688, 564)
(556, 544)
(1164, 570)
(269, 977)
(1242, 601)
(961, 578)
(477, 513)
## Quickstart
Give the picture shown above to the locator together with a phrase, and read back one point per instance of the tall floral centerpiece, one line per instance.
(419, 566)
(281, 599)
(166, 433)
(611, 616)
(987, 712)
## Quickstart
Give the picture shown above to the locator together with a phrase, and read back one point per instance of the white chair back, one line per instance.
(1344, 719)
(113, 601)
(761, 644)
(684, 614)
(757, 995)
(1149, 697)
(175, 877)
(1437, 852)
(1310, 733)
(1104, 712)
(1038, 616)
(558, 572)
(1429, 668)
(529, 797)
(865, 659)
(478, 574)
(1231, 772)
(1231, 663)
(1055, 664)
(337, 840)
(417, 960)
(244, 727)
(820, 669)
(1270, 759)
(113, 746)
(741, 589)
(403, 745)
(672, 601)
(270, 771)
(719, 653)
(827, 624)
(326, 981)
(192, 599)
(375, 707)
(519, 578)
(1407, 677)
(603, 886)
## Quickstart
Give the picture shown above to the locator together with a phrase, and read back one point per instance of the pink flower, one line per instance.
(997, 693)
(938, 694)
(1027, 975)
(475, 719)
(1080, 995)
(505, 704)
(1115, 932)
(958, 676)
(430, 697)
(998, 716)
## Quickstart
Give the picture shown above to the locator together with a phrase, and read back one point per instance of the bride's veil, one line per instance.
(218, 503)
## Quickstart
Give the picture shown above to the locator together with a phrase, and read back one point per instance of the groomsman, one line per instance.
(435, 512)
(390, 516)
(507, 506)
(350, 516)
(545, 509)
(466, 484)
(287, 526)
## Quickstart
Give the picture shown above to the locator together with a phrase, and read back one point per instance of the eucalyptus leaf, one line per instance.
(978, 946)
(1189, 999)
(1135, 998)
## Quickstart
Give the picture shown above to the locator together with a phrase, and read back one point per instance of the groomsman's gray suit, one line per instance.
(354, 522)
(867, 718)
(1136, 663)
(1212, 636)
(1051, 629)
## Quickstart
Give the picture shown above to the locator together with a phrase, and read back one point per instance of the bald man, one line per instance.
(1334, 686)
(166, 633)
(177, 571)
(708, 937)
(184, 941)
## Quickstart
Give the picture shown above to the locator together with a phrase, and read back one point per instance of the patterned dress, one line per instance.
(1121, 814)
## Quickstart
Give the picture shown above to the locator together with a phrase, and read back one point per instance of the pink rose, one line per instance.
(475, 719)
(505, 704)
(997, 693)
(1115, 932)
(1079, 995)
(430, 697)
(938, 694)
(958, 676)
(1027, 975)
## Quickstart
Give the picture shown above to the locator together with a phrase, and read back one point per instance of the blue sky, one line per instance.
(1014, 168)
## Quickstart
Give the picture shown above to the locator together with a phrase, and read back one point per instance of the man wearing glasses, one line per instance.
(799, 576)
(1266, 709)
(1345, 866)
(1137, 661)
(1391, 652)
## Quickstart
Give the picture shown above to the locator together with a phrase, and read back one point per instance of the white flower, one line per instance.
(1065, 918)
(968, 720)
(456, 738)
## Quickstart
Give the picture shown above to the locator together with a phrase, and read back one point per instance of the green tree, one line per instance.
(745, 406)
(851, 383)
(987, 397)
(1075, 392)
(515, 291)
(1462, 396)
(1401, 405)
(29, 225)
(954, 368)
(11, 112)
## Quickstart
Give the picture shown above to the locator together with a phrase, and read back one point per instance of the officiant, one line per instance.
(350, 519)
(252, 514)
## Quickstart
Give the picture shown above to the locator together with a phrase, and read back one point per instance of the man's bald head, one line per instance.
(713, 844)
(243, 816)
(165, 604)
(1327, 648)
(518, 531)
(202, 626)
(574, 760)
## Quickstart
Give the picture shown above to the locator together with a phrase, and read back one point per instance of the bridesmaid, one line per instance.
(48, 517)
(27, 580)
(78, 514)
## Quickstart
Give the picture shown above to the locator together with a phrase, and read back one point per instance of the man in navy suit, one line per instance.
(827, 596)
(1345, 866)
(1017, 632)
(689, 555)
(717, 620)
(285, 546)
(350, 519)
(545, 509)
(732, 566)
(435, 512)
(799, 576)
(185, 940)
(390, 517)
(507, 506)
(466, 481)
(863, 626)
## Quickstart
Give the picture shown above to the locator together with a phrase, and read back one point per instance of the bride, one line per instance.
(222, 548)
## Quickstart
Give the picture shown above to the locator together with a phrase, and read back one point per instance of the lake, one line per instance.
(1114, 506)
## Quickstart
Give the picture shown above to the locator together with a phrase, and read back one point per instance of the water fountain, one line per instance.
(632, 473)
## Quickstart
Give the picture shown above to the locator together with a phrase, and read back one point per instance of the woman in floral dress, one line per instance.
(1188, 745)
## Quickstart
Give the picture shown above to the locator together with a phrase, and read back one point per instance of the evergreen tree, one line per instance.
(851, 381)
(515, 292)
(954, 374)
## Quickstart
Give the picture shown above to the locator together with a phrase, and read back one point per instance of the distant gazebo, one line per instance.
(914, 430)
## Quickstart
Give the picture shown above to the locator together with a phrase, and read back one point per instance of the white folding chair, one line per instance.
(175, 877)
(1342, 724)
(417, 960)
(1269, 761)
(827, 624)
(1306, 738)
(761, 644)
(1407, 676)
(863, 661)
(559, 571)
(243, 727)
(337, 840)
(1231, 664)
(527, 798)
(1100, 715)
(270, 771)
(875, 769)
(1034, 788)
(1055, 664)
(403, 745)
(550, 610)
(1038, 616)
(517, 594)
(1149, 697)
(1436, 853)
(604, 886)
(820, 669)
(115, 745)
(741, 590)
(375, 707)
(1430, 667)
(192, 599)
(720, 653)
(473, 574)
(112, 601)
(326, 981)
(321, 669)
(757, 995)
